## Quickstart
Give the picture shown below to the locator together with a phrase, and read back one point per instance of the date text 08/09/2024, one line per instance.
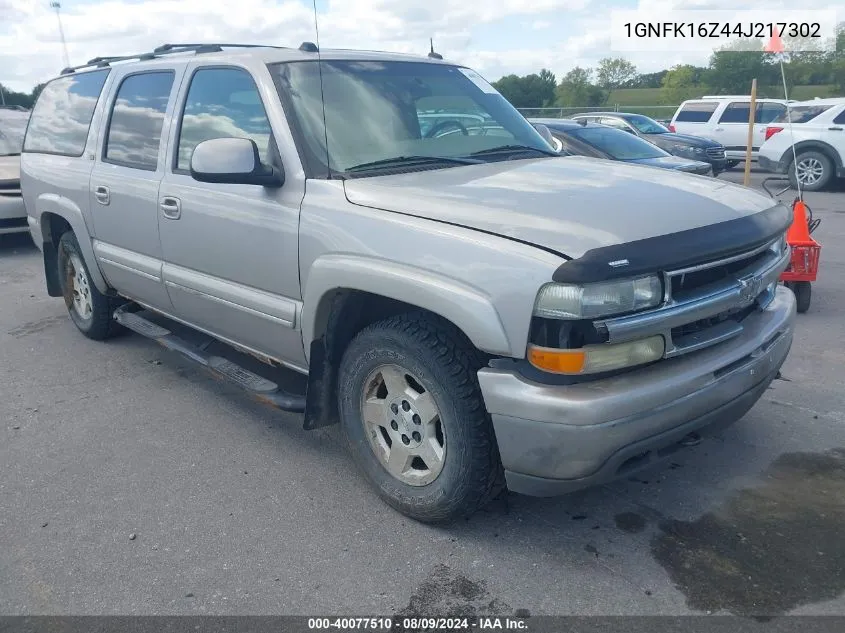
(718, 30)
(418, 623)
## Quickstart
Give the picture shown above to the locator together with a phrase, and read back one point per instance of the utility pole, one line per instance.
(55, 4)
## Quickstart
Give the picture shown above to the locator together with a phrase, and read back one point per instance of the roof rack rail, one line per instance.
(164, 49)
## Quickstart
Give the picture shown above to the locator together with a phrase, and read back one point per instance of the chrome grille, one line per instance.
(705, 304)
(715, 152)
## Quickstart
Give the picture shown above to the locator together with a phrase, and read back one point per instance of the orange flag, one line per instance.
(775, 44)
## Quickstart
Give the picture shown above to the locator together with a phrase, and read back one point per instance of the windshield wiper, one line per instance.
(513, 149)
(402, 161)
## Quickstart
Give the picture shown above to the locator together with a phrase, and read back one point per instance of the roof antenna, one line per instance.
(322, 93)
(432, 54)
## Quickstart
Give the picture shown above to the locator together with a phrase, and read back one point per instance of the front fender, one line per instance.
(50, 203)
(465, 306)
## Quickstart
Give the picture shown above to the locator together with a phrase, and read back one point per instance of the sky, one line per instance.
(495, 37)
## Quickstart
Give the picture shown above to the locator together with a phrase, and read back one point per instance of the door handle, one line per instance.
(835, 129)
(102, 195)
(719, 129)
(171, 208)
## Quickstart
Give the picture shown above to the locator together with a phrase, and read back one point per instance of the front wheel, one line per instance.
(412, 412)
(89, 309)
(731, 164)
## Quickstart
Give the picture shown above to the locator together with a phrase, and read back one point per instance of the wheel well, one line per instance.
(53, 226)
(340, 315)
(821, 148)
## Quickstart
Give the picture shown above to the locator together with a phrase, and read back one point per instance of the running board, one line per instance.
(260, 388)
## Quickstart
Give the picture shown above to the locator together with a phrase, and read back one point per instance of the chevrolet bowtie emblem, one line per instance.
(749, 288)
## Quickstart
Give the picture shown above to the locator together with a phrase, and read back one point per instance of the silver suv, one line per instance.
(473, 309)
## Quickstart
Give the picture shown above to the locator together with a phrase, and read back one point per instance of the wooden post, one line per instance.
(751, 110)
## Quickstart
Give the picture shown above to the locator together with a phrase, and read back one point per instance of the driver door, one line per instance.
(231, 251)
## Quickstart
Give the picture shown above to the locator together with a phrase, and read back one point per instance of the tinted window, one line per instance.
(840, 118)
(62, 115)
(618, 144)
(696, 112)
(134, 133)
(768, 112)
(801, 114)
(736, 112)
(222, 103)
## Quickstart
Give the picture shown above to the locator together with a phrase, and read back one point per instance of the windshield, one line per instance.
(617, 144)
(378, 111)
(11, 136)
(645, 124)
(802, 114)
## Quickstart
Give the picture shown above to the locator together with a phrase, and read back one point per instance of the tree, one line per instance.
(12, 98)
(613, 72)
(577, 89)
(680, 83)
(734, 66)
(530, 91)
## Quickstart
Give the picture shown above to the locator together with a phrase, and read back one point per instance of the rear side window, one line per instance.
(133, 137)
(696, 112)
(840, 118)
(62, 115)
(801, 114)
(768, 112)
(221, 102)
(736, 112)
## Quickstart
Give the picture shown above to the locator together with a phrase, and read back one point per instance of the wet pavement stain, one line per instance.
(447, 593)
(768, 549)
(630, 522)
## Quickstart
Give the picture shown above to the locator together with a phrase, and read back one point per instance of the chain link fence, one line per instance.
(654, 111)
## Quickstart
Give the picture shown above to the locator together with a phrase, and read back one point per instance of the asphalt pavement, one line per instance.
(132, 483)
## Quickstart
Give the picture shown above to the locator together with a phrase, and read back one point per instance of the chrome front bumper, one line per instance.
(554, 439)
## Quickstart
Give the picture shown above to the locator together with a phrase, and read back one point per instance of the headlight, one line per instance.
(594, 359)
(591, 301)
(698, 150)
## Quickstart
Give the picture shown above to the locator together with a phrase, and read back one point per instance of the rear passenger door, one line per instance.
(124, 185)
(231, 250)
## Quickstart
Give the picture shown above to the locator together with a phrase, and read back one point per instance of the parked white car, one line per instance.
(725, 119)
(818, 135)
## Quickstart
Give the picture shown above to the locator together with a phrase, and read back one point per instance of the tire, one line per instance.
(815, 167)
(427, 364)
(89, 309)
(731, 164)
(803, 291)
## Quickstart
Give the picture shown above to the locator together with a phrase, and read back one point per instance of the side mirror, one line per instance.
(545, 133)
(233, 161)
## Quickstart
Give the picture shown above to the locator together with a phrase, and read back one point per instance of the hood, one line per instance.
(568, 205)
(671, 138)
(10, 168)
(672, 162)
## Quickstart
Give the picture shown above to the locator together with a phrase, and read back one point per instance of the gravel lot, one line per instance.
(236, 510)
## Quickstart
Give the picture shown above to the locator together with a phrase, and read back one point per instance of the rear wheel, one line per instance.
(814, 170)
(89, 309)
(415, 420)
